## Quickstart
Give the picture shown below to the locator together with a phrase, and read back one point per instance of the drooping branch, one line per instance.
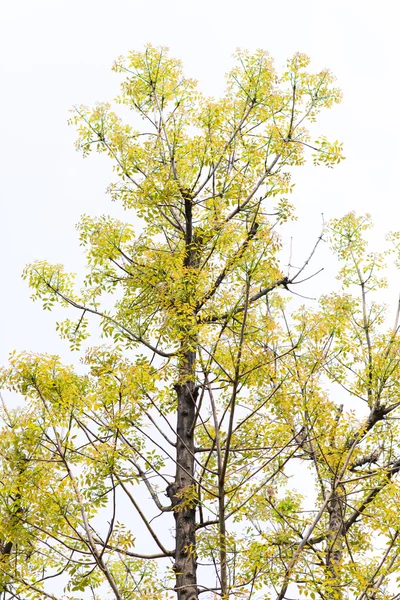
(134, 337)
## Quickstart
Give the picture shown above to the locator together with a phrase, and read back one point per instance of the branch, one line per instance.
(381, 578)
(150, 488)
(305, 541)
(259, 183)
(217, 164)
(214, 319)
(129, 553)
(395, 468)
(145, 521)
(250, 234)
(130, 333)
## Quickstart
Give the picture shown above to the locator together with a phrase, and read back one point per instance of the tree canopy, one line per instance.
(172, 467)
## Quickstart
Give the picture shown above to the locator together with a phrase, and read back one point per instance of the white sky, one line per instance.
(56, 53)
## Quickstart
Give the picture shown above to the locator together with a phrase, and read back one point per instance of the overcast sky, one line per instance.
(56, 53)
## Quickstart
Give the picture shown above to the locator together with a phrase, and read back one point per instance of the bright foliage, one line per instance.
(87, 459)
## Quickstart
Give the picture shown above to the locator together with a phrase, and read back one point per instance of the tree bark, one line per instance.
(185, 513)
(336, 536)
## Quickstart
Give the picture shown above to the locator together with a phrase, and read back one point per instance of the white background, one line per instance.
(56, 53)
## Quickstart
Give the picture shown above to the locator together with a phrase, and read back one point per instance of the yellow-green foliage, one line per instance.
(88, 456)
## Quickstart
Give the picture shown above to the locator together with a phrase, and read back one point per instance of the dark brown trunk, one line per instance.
(184, 511)
(186, 390)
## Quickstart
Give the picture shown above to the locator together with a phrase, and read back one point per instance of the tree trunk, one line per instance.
(335, 538)
(185, 512)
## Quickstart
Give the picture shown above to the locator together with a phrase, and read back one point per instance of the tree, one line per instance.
(209, 393)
